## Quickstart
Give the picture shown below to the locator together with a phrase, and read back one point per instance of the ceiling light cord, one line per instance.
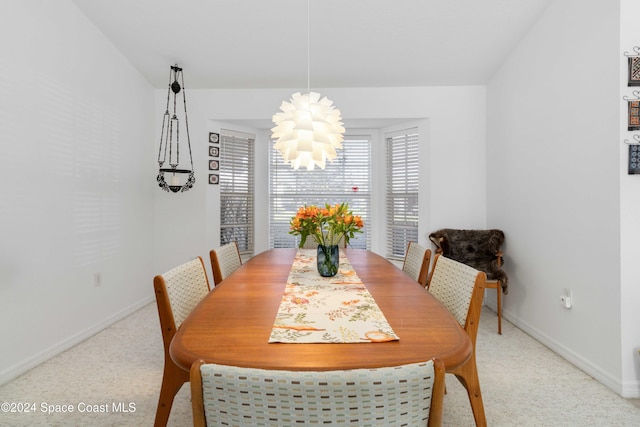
(308, 49)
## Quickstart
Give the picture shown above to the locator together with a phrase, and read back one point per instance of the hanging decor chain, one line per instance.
(175, 87)
(164, 124)
(186, 119)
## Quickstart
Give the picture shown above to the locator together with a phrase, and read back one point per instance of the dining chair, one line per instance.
(309, 244)
(177, 292)
(480, 249)
(409, 394)
(224, 261)
(312, 244)
(460, 289)
(416, 262)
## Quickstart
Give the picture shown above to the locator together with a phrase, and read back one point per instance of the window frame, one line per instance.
(237, 189)
(356, 191)
(402, 190)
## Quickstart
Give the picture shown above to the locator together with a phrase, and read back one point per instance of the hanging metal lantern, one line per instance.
(174, 178)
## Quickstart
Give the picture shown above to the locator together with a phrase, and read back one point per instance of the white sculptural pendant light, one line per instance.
(308, 128)
(308, 131)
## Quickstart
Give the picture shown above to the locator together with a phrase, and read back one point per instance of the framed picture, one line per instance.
(214, 151)
(634, 159)
(214, 137)
(634, 71)
(214, 165)
(213, 178)
(634, 115)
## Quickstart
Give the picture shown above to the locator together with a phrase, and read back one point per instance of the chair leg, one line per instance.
(172, 380)
(467, 374)
(499, 289)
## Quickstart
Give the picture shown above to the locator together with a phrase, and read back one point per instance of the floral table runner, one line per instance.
(338, 309)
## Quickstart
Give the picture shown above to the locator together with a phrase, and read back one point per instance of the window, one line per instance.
(402, 191)
(346, 179)
(236, 189)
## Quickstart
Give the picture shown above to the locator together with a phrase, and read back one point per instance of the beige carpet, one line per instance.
(523, 383)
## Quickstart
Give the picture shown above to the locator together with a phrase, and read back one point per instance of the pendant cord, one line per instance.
(308, 50)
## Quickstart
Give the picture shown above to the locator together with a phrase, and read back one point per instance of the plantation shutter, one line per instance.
(236, 189)
(402, 191)
(346, 179)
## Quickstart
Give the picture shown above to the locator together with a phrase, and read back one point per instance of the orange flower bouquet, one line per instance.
(327, 226)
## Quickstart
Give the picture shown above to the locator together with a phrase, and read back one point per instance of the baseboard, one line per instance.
(627, 390)
(19, 369)
(631, 389)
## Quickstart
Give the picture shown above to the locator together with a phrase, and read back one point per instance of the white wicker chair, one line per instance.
(409, 395)
(177, 292)
(460, 289)
(224, 261)
(310, 243)
(416, 262)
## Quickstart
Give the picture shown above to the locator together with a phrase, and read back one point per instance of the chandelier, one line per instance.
(179, 179)
(308, 129)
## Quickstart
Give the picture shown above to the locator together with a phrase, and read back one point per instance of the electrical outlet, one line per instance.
(97, 279)
(566, 301)
(566, 298)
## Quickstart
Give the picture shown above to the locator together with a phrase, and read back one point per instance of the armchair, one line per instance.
(480, 249)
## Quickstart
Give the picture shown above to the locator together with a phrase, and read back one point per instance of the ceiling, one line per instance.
(352, 43)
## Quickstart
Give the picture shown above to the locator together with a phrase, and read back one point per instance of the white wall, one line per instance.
(80, 129)
(76, 130)
(79, 132)
(629, 214)
(454, 193)
(553, 176)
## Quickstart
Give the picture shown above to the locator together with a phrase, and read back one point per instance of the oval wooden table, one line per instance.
(232, 325)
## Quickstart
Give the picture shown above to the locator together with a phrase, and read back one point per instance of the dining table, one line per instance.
(233, 323)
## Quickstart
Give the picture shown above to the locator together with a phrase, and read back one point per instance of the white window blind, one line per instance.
(402, 191)
(346, 179)
(236, 189)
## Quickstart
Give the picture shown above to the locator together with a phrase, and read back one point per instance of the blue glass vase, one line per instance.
(328, 260)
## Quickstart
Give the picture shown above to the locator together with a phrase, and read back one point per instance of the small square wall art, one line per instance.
(634, 115)
(634, 71)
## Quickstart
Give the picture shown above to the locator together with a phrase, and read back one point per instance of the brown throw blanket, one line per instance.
(476, 248)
